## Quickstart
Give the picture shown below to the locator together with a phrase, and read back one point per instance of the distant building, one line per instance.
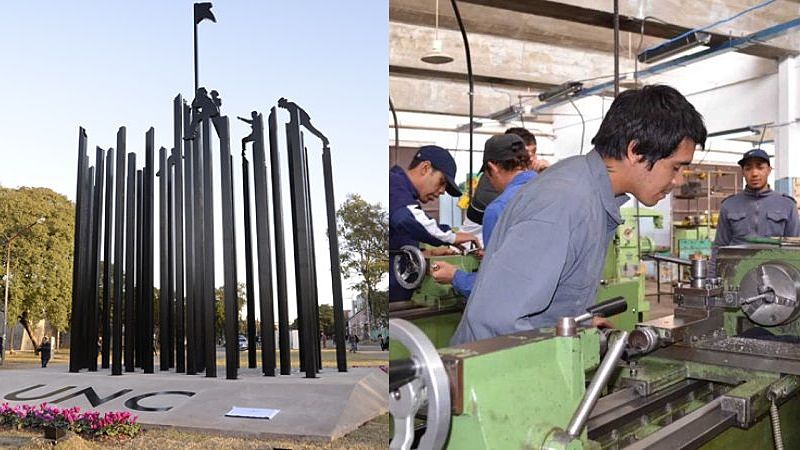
(358, 321)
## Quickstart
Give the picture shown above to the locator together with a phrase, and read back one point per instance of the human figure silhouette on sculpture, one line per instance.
(250, 137)
(203, 107)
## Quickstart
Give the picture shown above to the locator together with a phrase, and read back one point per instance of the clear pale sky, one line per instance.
(106, 64)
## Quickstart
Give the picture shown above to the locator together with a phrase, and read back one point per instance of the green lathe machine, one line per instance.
(722, 372)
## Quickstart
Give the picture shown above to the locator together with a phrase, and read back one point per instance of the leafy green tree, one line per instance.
(325, 320)
(219, 307)
(41, 258)
(363, 230)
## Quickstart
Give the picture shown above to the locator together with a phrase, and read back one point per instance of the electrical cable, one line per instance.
(583, 122)
(471, 81)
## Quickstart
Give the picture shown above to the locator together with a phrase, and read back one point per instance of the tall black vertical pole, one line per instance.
(280, 251)
(74, 360)
(228, 252)
(178, 186)
(248, 264)
(107, 255)
(336, 271)
(303, 269)
(263, 248)
(163, 240)
(130, 264)
(93, 300)
(199, 254)
(85, 266)
(148, 249)
(171, 262)
(313, 265)
(188, 198)
(209, 296)
(119, 249)
(138, 309)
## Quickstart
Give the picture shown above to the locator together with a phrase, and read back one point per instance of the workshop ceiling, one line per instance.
(522, 47)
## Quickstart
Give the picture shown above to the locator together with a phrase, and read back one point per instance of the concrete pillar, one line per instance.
(787, 131)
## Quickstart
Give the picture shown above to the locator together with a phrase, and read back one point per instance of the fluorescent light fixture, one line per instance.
(463, 128)
(563, 90)
(734, 133)
(507, 114)
(674, 46)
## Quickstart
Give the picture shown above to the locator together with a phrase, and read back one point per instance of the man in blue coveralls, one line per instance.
(430, 174)
(755, 211)
(505, 164)
(546, 255)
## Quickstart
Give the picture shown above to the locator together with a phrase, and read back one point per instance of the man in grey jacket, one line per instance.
(757, 211)
(546, 256)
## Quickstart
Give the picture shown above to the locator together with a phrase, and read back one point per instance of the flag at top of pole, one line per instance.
(201, 11)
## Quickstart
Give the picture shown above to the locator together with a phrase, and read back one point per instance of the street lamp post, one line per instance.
(8, 281)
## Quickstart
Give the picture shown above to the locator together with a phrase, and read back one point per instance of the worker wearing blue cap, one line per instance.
(756, 211)
(431, 173)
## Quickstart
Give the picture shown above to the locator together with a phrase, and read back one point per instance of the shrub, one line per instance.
(90, 423)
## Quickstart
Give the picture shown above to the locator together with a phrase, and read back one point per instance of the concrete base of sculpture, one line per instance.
(323, 408)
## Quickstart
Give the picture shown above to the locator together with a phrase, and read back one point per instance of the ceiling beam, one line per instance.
(601, 18)
(444, 96)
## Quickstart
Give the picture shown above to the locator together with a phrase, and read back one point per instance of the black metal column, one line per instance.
(189, 217)
(80, 212)
(148, 250)
(301, 239)
(108, 233)
(164, 266)
(336, 271)
(208, 253)
(130, 264)
(263, 248)
(248, 264)
(228, 252)
(280, 251)
(119, 249)
(97, 232)
(178, 186)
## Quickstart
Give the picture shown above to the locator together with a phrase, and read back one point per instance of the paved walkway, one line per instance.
(324, 408)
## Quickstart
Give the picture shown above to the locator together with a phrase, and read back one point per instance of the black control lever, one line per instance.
(609, 308)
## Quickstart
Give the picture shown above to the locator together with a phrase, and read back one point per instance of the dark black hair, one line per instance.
(527, 137)
(657, 117)
(414, 163)
(520, 161)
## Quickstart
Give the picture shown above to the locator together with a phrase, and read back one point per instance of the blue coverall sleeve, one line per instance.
(463, 282)
(519, 279)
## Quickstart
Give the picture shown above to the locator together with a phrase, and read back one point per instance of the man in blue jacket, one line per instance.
(546, 255)
(505, 164)
(430, 174)
(755, 211)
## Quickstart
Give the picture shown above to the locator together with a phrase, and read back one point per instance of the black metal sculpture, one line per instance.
(115, 225)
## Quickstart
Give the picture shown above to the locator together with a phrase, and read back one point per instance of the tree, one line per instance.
(363, 230)
(219, 307)
(41, 259)
(325, 320)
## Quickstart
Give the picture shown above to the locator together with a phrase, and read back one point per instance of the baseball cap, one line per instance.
(502, 147)
(442, 161)
(754, 153)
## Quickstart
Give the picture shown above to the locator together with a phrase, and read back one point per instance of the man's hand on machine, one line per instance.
(440, 251)
(463, 238)
(443, 272)
(601, 322)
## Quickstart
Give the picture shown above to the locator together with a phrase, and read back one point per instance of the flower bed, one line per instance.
(88, 424)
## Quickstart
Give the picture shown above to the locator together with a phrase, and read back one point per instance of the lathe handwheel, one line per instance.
(409, 267)
(431, 387)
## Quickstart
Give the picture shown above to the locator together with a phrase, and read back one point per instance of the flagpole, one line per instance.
(196, 84)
